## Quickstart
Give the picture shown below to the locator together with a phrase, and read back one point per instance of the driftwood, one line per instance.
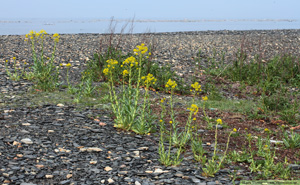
(297, 127)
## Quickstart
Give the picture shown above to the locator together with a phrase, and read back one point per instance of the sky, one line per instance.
(153, 9)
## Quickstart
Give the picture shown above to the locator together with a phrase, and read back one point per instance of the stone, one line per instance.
(107, 168)
(110, 181)
(91, 149)
(27, 141)
(195, 180)
(49, 176)
(93, 162)
(65, 182)
(137, 183)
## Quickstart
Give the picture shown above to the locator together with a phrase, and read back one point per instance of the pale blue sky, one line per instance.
(152, 9)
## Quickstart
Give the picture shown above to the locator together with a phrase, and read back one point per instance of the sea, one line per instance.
(100, 26)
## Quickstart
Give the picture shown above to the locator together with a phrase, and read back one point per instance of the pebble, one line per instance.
(27, 141)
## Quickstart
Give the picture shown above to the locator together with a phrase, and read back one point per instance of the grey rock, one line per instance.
(65, 182)
(195, 180)
(211, 183)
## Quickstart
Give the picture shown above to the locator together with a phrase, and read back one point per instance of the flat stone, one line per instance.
(110, 181)
(27, 141)
(91, 149)
(65, 182)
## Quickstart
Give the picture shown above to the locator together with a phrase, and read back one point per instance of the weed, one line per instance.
(46, 74)
(291, 141)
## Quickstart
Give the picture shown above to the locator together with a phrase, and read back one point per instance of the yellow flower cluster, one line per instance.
(125, 72)
(56, 37)
(110, 66)
(111, 62)
(130, 61)
(68, 65)
(106, 71)
(194, 108)
(196, 86)
(204, 98)
(33, 34)
(171, 84)
(219, 121)
(141, 49)
(149, 78)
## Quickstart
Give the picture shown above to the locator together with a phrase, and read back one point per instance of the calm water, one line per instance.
(64, 26)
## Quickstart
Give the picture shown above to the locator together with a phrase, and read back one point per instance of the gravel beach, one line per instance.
(59, 144)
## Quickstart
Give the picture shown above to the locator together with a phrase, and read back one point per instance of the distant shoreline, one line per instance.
(74, 26)
(182, 32)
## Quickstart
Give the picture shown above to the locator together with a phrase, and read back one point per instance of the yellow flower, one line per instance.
(105, 71)
(60, 64)
(219, 121)
(141, 49)
(125, 72)
(14, 58)
(267, 130)
(194, 119)
(25, 63)
(149, 78)
(131, 61)
(56, 37)
(160, 120)
(44, 32)
(111, 62)
(6, 61)
(249, 135)
(194, 108)
(171, 84)
(68, 65)
(204, 98)
(196, 86)
(171, 122)
(234, 130)
(162, 100)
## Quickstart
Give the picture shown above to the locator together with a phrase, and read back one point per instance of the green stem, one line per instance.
(216, 142)
(137, 91)
(225, 150)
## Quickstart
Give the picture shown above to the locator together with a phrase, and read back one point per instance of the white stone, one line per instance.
(110, 181)
(107, 168)
(27, 141)
(49, 176)
(93, 162)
